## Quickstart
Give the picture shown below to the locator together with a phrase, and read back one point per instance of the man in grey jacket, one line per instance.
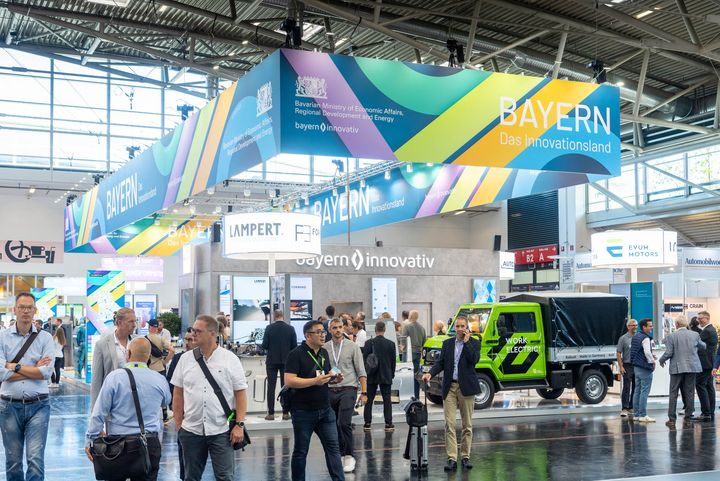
(110, 352)
(681, 348)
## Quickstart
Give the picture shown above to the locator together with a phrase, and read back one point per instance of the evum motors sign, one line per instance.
(359, 260)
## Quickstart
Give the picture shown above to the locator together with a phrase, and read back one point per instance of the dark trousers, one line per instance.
(59, 364)
(685, 383)
(705, 385)
(342, 403)
(180, 459)
(272, 374)
(155, 451)
(195, 453)
(628, 386)
(387, 402)
(416, 369)
(322, 422)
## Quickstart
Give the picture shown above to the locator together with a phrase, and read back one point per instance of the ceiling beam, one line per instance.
(680, 179)
(694, 38)
(509, 46)
(680, 94)
(472, 31)
(670, 125)
(352, 17)
(560, 53)
(224, 73)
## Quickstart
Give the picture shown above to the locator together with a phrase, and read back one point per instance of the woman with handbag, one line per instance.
(122, 437)
(59, 343)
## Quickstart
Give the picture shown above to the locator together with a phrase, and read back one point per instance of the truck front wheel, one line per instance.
(592, 387)
(550, 393)
(487, 392)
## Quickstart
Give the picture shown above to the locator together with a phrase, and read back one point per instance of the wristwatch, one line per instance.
(17, 367)
(363, 393)
(241, 424)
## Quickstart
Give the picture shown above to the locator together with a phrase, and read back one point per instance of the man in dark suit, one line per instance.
(704, 382)
(382, 376)
(459, 386)
(279, 339)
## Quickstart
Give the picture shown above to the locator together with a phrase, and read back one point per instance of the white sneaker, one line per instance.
(349, 464)
(646, 419)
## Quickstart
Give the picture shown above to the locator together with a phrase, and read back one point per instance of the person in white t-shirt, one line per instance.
(59, 343)
(199, 417)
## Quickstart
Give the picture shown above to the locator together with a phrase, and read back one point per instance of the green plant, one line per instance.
(171, 322)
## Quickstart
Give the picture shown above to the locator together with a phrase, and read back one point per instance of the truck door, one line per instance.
(520, 351)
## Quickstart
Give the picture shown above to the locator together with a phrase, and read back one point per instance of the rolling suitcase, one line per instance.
(416, 447)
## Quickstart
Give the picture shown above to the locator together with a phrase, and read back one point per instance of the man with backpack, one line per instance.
(380, 358)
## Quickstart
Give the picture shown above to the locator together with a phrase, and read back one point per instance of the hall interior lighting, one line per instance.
(460, 212)
(306, 197)
(216, 67)
(186, 202)
(271, 194)
(245, 42)
(218, 209)
(620, 84)
(429, 164)
(335, 192)
(247, 192)
(211, 191)
(162, 8)
(409, 168)
(387, 175)
(644, 14)
(31, 190)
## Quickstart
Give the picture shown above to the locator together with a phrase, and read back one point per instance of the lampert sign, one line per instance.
(271, 235)
(648, 248)
(507, 266)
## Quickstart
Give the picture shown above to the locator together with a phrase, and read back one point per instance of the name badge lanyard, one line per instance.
(337, 357)
(318, 364)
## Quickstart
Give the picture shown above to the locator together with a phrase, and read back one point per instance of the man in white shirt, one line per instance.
(199, 417)
(164, 333)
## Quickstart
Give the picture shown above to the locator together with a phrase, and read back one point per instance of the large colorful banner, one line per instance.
(428, 191)
(315, 103)
(105, 296)
(46, 300)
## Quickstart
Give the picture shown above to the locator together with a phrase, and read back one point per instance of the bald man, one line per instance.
(116, 407)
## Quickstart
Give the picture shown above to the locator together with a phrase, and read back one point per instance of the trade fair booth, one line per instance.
(541, 134)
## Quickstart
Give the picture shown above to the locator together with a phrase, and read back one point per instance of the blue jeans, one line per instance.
(643, 381)
(195, 450)
(416, 369)
(80, 361)
(322, 422)
(24, 425)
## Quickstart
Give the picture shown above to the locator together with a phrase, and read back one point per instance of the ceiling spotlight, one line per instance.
(245, 42)
(31, 190)
(409, 168)
(598, 68)
(247, 192)
(211, 191)
(218, 209)
(387, 175)
(229, 209)
(216, 67)
(620, 84)
(162, 8)
(186, 202)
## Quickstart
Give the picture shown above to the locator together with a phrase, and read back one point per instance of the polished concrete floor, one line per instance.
(571, 445)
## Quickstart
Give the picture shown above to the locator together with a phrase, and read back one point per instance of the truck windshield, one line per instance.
(477, 319)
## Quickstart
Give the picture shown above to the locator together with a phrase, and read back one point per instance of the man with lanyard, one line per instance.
(115, 406)
(24, 403)
(307, 372)
(347, 359)
(110, 352)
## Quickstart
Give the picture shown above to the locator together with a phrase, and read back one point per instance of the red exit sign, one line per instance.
(535, 255)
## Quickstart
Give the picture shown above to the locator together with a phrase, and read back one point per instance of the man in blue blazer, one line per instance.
(459, 386)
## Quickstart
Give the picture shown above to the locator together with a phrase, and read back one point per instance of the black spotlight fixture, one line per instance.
(97, 178)
(457, 53)
(132, 150)
(70, 199)
(185, 110)
(598, 68)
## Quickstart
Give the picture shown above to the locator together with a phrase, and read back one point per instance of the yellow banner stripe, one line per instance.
(491, 185)
(141, 242)
(169, 246)
(490, 151)
(463, 188)
(195, 150)
(459, 123)
(213, 139)
(88, 214)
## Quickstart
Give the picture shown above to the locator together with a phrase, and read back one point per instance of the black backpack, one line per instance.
(416, 413)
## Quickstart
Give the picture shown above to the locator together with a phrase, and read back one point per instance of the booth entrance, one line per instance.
(425, 313)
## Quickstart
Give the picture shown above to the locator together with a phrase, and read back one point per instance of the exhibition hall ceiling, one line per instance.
(660, 52)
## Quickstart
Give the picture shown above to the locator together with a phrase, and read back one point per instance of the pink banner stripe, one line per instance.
(441, 189)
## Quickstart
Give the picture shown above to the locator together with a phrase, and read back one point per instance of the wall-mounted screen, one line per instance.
(301, 299)
(384, 296)
(251, 306)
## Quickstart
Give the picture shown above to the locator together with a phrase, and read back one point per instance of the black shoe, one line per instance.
(451, 465)
(466, 463)
(367, 427)
(706, 418)
(389, 428)
(691, 418)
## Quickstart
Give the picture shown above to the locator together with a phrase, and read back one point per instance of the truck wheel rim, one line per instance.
(593, 387)
(484, 393)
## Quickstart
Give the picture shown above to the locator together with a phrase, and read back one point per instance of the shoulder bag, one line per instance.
(24, 349)
(121, 457)
(371, 363)
(230, 413)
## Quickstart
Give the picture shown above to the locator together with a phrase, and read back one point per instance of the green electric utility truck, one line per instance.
(547, 342)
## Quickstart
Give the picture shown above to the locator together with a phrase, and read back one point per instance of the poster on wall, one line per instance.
(251, 307)
(46, 302)
(301, 308)
(484, 290)
(34, 252)
(226, 304)
(277, 294)
(384, 296)
(145, 306)
(105, 296)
